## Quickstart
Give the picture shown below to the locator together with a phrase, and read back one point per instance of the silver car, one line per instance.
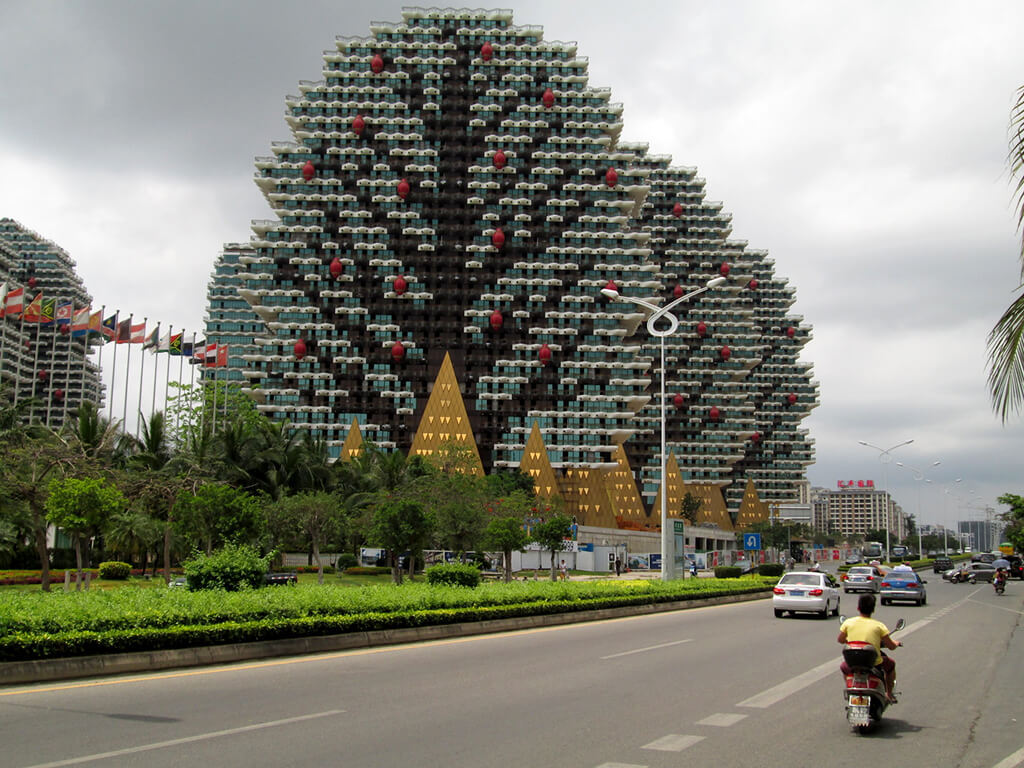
(806, 592)
(862, 578)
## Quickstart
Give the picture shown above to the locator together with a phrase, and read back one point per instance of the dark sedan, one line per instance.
(941, 564)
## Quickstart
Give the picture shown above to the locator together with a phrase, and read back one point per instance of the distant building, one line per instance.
(40, 357)
(856, 507)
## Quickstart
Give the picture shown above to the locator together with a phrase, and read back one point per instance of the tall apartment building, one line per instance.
(455, 193)
(855, 508)
(43, 360)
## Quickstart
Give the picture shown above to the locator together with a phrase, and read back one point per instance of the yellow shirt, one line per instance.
(862, 630)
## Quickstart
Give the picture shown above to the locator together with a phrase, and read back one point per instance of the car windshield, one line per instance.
(862, 571)
(805, 579)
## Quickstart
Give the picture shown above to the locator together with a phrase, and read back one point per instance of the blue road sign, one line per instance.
(751, 540)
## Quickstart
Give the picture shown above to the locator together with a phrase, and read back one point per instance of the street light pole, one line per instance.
(918, 476)
(946, 489)
(612, 292)
(885, 456)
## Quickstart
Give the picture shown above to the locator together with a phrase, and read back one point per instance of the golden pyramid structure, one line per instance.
(712, 507)
(676, 492)
(445, 420)
(627, 504)
(536, 464)
(353, 445)
(586, 496)
(752, 509)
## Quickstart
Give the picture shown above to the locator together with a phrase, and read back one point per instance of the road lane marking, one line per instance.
(184, 740)
(620, 765)
(648, 648)
(721, 719)
(674, 742)
(1012, 761)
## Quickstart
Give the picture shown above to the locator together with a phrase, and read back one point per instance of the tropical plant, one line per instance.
(553, 535)
(80, 506)
(316, 515)
(400, 525)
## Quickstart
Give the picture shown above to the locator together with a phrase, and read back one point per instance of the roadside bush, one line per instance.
(728, 571)
(113, 569)
(454, 575)
(770, 569)
(367, 570)
(346, 560)
(232, 568)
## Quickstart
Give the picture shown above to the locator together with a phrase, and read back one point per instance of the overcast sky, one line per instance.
(863, 145)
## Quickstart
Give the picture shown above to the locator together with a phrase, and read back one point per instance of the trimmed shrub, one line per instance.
(728, 571)
(367, 570)
(232, 568)
(454, 575)
(113, 569)
(346, 560)
(770, 569)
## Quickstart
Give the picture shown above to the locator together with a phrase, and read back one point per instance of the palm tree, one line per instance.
(1006, 341)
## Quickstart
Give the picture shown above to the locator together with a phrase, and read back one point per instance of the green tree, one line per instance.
(80, 506)
(506, 535)
(400, 525)
(553, 535)
(1014, 519)
(132, 531)
(1006, 340)
(315, 515)
(218, 514)
(691, 507)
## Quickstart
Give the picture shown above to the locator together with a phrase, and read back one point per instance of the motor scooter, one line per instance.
(864, 690)
(999, 583)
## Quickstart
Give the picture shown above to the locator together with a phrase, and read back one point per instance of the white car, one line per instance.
(806, 592)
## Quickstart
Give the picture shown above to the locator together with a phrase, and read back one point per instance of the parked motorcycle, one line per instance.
(866, 701)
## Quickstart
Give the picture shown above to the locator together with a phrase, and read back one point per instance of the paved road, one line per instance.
(727, 686)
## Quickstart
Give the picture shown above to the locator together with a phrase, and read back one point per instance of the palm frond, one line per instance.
(1006, 360)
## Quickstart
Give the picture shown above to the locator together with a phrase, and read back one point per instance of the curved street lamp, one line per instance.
(946, 489)
(885, 456)
(919, 475)
(612, 292)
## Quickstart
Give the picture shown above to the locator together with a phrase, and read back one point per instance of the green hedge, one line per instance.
(454, 574)
(113, 569)
(728, 571)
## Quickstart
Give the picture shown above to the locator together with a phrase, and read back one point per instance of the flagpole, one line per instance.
(3, 329)
(142, 378)
(113, 363)
(85, 362)
(35, 368)
(53, 358)
(181, 375)
(156, 366)
(167, 371)
(192, 382)
(206, 364)
(99, 356)
(21, 334)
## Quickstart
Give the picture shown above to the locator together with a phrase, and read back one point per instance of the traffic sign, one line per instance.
(751, 540)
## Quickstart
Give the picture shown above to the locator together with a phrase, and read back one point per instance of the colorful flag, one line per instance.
(34, 310)
(80, 323)
(152, 340)
(3, 297)
(124, 332)
(198, 352)
(186, 349)
(47, 311)
(109, 327)
(14, 302)
(96, 323)
(222, 356)
(174, 346)
(65, 312)
(138, 334)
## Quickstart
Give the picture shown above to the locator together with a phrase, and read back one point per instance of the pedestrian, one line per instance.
(693, 568)
(563, 572)
(618, 565)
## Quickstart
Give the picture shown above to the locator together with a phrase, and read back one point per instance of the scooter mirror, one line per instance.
(842, 618)
(900, 625)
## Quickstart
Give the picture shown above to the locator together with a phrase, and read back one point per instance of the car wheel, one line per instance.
(778, 613)
(835, 611)
(846, 591)
(824, 612)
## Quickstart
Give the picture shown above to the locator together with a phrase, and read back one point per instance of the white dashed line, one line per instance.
(722, 719)
(648, 648)
(674, 742)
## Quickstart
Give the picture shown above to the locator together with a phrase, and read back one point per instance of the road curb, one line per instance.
(49, 670)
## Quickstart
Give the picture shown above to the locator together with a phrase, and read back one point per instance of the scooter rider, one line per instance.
(999, 580)
(864, 629)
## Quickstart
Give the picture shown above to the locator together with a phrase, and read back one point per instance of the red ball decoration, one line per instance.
(28, 344)
(486, 51)
(752, 285)
(791, 398)
(299, 349)
(544, 354)
(403, 189)
(678, 401)
(756, 437)
(499, 160)
(611, 177)
(377, 64)
(725, 352)
(31, 282)
(702, 329)
(677, 210)
(358, 124)
(548, 98)
(677, 291)
(308, 171)
(58, 394)
(724, 270)
(397, 351)
(496, 319)
(498, 238)
(400, 285)
(611, 286)
(791, 331)
(714, 413)
(44, 374)
(336, 267)
(64, 328)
